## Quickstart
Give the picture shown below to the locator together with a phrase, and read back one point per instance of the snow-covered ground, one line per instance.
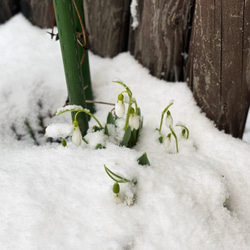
(54, 197)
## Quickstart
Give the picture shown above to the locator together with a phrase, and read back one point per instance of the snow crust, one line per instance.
(133, 12)
(55, 197)
(59, 130)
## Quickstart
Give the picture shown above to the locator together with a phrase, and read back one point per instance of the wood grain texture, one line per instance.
(219, 62)
(8, 8)
(39, 12)
(161, 39)
(107, 23)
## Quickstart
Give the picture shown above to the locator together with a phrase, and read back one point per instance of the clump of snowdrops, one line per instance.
(167, 139)
(122, 127)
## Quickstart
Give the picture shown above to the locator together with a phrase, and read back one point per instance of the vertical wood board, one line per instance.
(218, 62)
(160, 40)
(107, 23)
(8, 8)
(39, 12)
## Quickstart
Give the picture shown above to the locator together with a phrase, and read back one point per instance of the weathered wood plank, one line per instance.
(8, 8)
(246, 62)
(205, 56)
(218, 62)
(107, 23)
(38, 12)
(160, 41)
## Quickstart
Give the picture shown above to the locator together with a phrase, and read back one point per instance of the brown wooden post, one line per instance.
(107, 24)
(39, 12)
(8, 8)
(160, 42)
(219, 62)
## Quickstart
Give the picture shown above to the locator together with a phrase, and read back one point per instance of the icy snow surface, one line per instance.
(55, 197)
(133, 11)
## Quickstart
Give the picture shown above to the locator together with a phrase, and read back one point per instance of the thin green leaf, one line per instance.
(133, 138)
(106, 131)
(99, 146)
(110, 119)
(143, 160)
(70, 108)
(138, 111)
(160, 139)
(112, 175)
(95, 128)
(126, 137)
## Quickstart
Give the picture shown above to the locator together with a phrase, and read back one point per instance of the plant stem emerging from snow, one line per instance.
(129, 92)
(162, 115)
(175, 137)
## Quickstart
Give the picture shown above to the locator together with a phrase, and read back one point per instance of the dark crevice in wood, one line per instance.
(221, 52)
(8, 8)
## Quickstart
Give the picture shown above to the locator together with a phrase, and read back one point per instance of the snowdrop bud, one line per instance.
(119, 106)
(116, 188)
(64, 143)
(134, 121)
(167, 141)
(183, 133)
(77, 136)
(120, 97)
(169, 120)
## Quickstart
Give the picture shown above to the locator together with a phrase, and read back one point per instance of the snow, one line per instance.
(55, 197)
(59, 130)
(70, 107)
(133, 12)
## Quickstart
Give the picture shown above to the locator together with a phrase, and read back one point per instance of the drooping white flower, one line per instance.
(120, 106)
(169, 119)
(119, 109)
(167, 141)
(77, 136)
(134, 121)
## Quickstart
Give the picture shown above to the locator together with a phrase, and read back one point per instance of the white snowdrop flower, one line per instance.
(134, 121)
(169, 120)
(183, 134)
(120, 106)
(119, 109)
(167, 141)
(77, 136)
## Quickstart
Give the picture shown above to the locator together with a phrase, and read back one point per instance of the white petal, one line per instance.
(134, 121)
(167, 142)
(169, 121)
(59, 130)
(77, 136)
(120, 109)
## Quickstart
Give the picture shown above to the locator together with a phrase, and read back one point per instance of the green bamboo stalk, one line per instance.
(83, 50)
(64, 13)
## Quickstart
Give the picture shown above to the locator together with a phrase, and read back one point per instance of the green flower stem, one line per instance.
(64, 13)
(175, 137)
(85, 140)
(136, 107)
(125, 86)
(90, 114)
(184, 127)
(162, 115)
(128, 114)
(112, 175)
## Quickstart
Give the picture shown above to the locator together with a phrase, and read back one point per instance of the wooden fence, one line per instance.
(206, 43)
